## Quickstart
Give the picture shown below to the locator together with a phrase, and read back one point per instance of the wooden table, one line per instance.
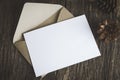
(14, 67)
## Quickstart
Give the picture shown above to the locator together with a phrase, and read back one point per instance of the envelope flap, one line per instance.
(21, 46)
(34, 14)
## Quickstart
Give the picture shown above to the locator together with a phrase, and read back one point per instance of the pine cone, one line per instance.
(108, 31)
(107, 5)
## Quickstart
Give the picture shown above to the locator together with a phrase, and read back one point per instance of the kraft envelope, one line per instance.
(34, 16)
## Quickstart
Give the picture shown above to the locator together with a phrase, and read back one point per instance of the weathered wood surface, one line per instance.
(14, 67)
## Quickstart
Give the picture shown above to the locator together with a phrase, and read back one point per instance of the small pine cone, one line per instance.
(108, 31)
(107, 5)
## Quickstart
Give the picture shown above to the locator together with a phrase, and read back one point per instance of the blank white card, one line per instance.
(60, 45)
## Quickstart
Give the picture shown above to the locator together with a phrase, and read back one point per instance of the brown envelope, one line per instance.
(37, 15)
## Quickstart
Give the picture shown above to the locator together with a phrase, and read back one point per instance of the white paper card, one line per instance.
(60, 45)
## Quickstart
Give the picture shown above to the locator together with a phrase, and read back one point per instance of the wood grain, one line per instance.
(14, 67)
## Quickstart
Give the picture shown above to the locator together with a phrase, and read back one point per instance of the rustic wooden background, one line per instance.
(14, 67)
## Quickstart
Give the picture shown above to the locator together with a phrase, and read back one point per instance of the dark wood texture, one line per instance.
(14, 67)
